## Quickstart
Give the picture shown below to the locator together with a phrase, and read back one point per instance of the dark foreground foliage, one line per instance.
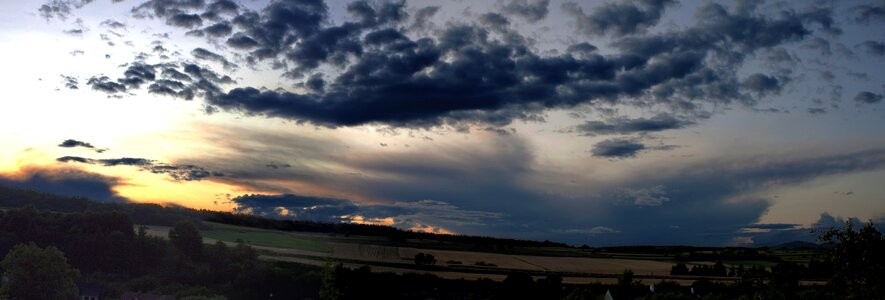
(101, 246)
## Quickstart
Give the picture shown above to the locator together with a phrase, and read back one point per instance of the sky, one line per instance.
(647, 122)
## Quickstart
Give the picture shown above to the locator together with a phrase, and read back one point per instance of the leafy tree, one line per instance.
(518, 285)
(626, 279)
(186, 237)
(785, 276)
(422, 259)
(679, 269)
(330, 289)
(38, 273)
(858, 260)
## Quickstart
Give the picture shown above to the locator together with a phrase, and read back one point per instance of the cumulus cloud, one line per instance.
(219, 29)
(204, 54)
(532, 11)
(873, 47)
(71, 82)
(618, 18)
(617, 148)
(60, 9)
(470, 76)
(110, 23)
(623, 125)
(870, 12)
(867, 97)
(104, 84)
(71, 143)
(762, 84)
(386, 74)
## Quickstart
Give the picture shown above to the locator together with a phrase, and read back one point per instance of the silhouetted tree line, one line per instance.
(394, 234)
(139, 213)
(814, 270)
(106, 249)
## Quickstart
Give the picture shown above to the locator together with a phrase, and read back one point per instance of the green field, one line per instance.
(262, 237)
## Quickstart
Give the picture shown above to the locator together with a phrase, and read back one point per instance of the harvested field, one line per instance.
(547, 263)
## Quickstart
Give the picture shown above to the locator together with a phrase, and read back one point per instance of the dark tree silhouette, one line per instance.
(422, 259)
(186, 237)
(38, 273)
(330, 290)
(858, 257)
(679, 269)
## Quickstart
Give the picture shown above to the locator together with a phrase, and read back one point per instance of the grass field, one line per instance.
(261, 237)
(580, 265)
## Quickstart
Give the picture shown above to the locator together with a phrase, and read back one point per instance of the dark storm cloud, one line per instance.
(708, 200)
(867, 97)
(420, 21)
(873, 47)
(70, 82)
(171, 88)
(64, 181)
(185, 20)
(494, 21)
(206, 74)
(465, 74)
(195, 80)
(74, 32)
(617, 148)
(704, 202)
(104, 84)
(618, 18)
(762, 84)
(298, 207)
(386, 13)
(316, 83)
(71, 143)
(204, 54)
(329, 45)
(405, 215)
(275, 166)
(219, 29)
(281, 24)
(220, 7)
(870, 12)
(195, 33)
(60, 8)
(532, 11)
(819, 44)
(138, 74)
(185, 172)
(242, 42)
(167, 8)
(808, 234)
(659, 122)
(179, 13)
(113, 24)
(172, 73)
(817, 110)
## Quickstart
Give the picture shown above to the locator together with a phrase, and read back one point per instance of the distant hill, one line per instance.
(153, 214)
(799, 245)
